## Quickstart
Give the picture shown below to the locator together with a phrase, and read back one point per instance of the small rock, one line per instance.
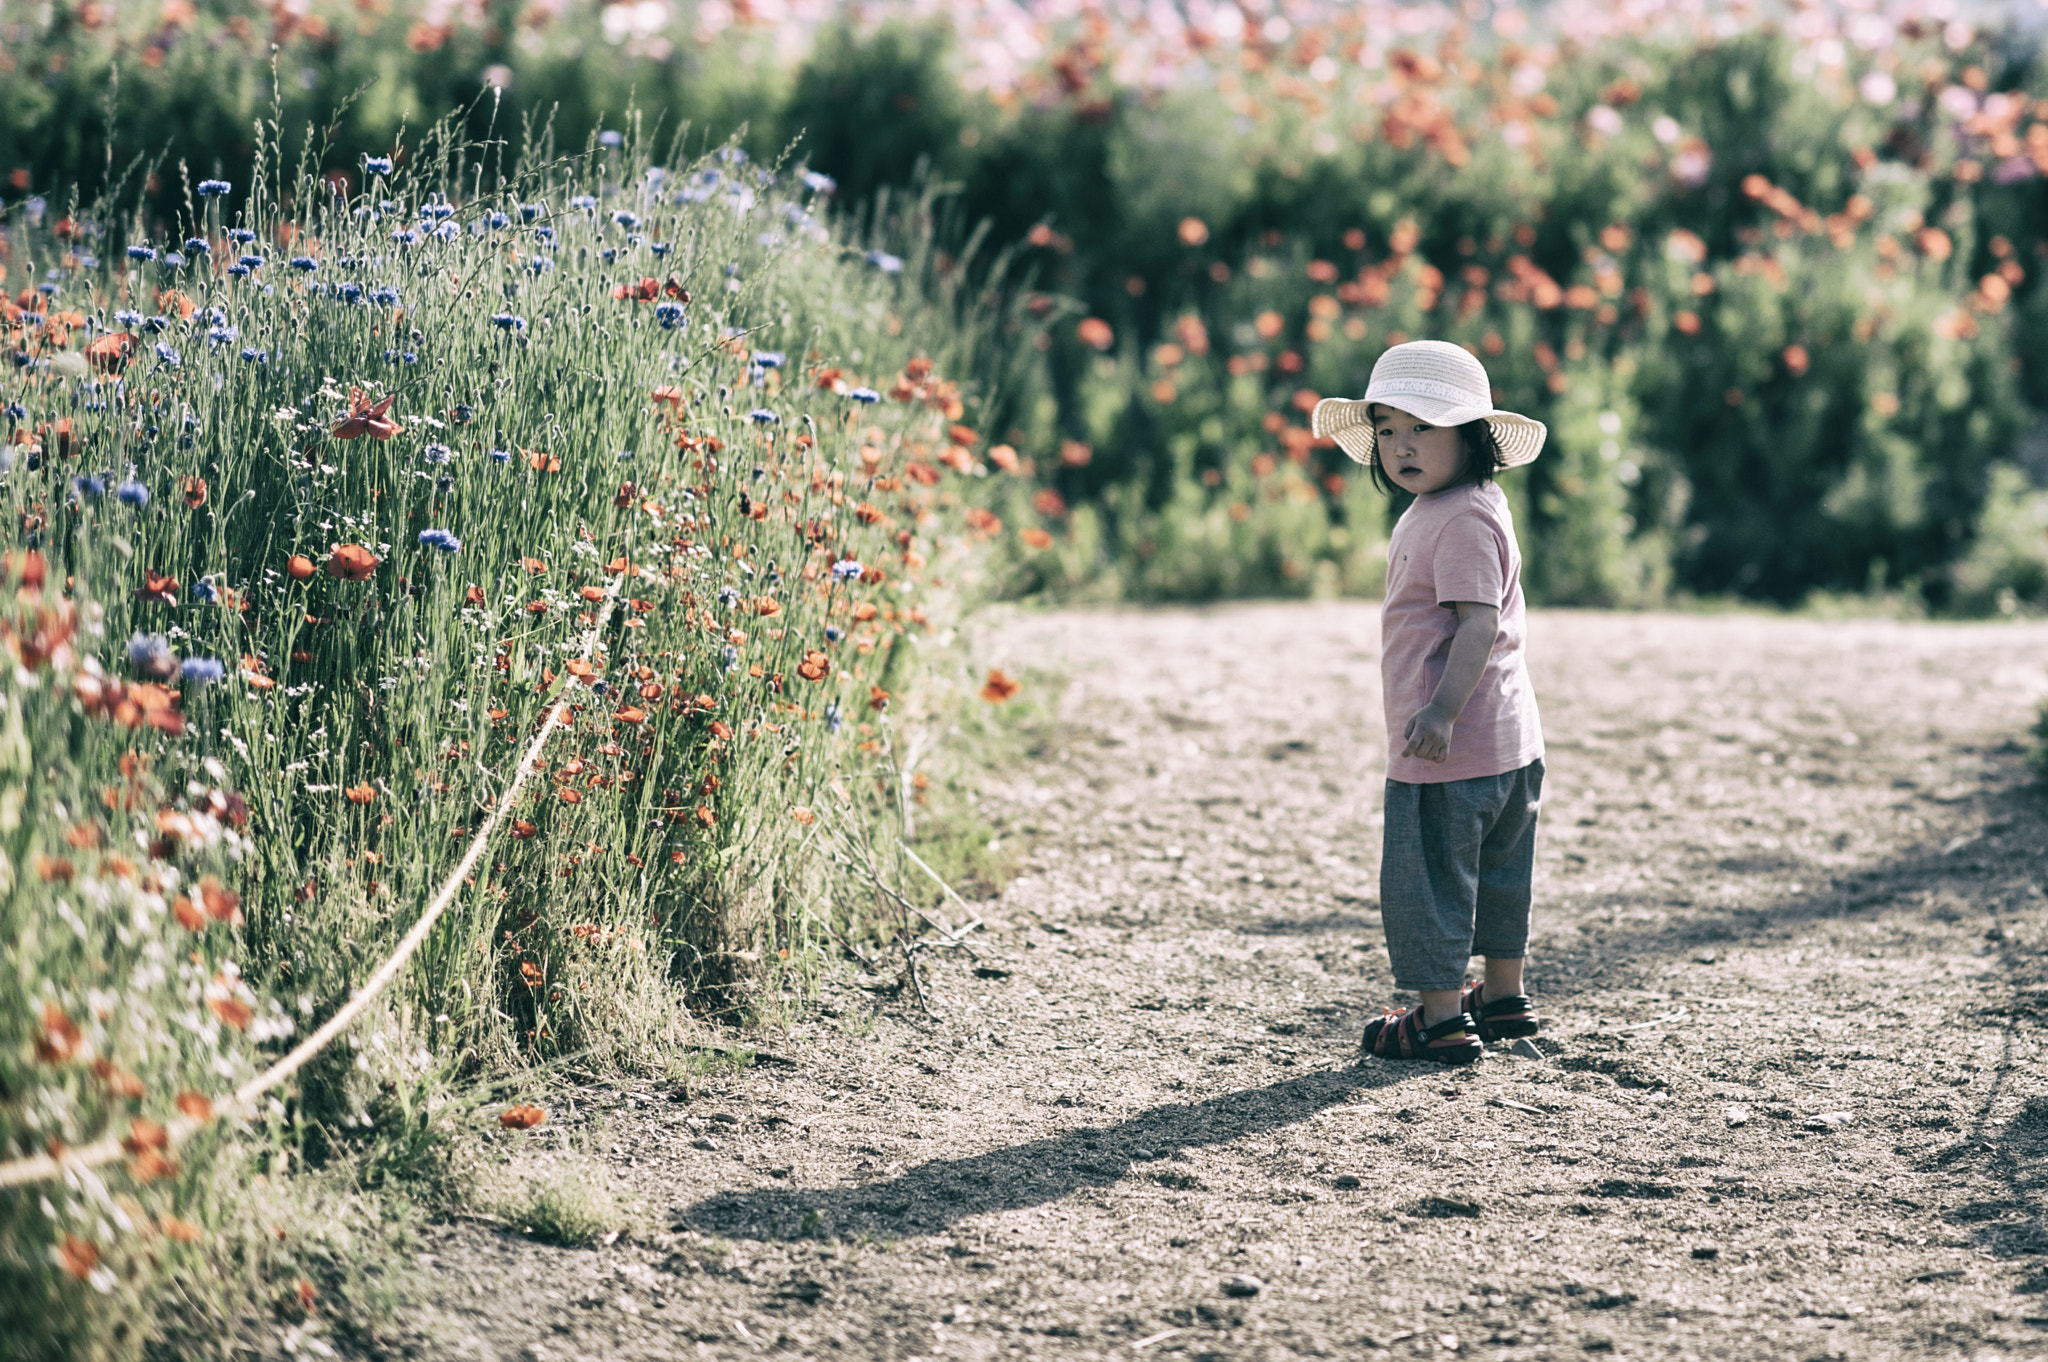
(1448, 1342)
(1737, 1115)
(1242, 1286)
(1831, 1119)
(626, 1304)
(1706, 1251)
(723, 1118)
(1142, 1156)
(1348, 1182)
(1525, 1048)
(1705, 958)
(990, 972)
(704, 1142)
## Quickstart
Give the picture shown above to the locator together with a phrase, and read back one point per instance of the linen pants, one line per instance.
(1455, 874)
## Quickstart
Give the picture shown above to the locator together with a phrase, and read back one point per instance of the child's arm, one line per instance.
(1429, 732)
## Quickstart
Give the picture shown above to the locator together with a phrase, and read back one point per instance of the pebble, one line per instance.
(1525, 1048)
(704, 1142)
(1348, 1182)
(1242, 1286)
(1706, 1251)
(1736, 1116)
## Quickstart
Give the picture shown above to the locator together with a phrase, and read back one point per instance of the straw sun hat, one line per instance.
(1437, 381)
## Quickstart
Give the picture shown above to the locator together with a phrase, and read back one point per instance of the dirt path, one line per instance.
(1792, 941)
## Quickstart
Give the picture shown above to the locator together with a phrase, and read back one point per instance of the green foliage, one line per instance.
(567, 1199)
(230, 780)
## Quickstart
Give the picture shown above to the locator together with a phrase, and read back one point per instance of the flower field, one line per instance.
(1772, 277)
(324, 508)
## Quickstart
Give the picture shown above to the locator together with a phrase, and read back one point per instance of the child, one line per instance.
(1464, 745)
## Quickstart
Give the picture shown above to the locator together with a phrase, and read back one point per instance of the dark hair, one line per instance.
(1482, 457)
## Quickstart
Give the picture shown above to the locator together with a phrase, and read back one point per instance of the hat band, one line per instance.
(1422, 387)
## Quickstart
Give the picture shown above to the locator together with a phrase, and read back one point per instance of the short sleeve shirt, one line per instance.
(1450, 546)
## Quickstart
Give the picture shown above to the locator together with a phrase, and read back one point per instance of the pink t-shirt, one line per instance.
(1456, 545)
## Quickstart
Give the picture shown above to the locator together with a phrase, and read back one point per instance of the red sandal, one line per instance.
(1504, 1018)
(1401, 1035)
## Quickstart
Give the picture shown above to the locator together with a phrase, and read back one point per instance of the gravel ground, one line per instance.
(1792, 948)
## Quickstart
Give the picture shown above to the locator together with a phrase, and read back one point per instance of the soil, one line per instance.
(1792, 949)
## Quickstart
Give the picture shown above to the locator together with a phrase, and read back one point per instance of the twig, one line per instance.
(916, 984)
(918, 861)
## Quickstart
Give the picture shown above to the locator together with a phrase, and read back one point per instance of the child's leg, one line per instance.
(1429, 879)
(1507, 863)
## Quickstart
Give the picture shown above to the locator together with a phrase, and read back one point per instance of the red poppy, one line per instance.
(671, 394)
(351, 563)
(365, 418)
(79, 1256)
(646, 291)
(361, 794)
(815, 666)
(195, 493)
(632, 715)
(999, 687)
(195, 1106)
(298, 567)
(158, 587)
(522, 829)
(221, 903)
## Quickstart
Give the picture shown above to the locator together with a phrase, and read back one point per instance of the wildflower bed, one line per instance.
(322, 513)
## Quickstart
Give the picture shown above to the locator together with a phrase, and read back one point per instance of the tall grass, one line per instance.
(314, 508)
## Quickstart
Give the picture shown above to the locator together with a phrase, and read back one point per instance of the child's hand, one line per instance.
(1428, 734)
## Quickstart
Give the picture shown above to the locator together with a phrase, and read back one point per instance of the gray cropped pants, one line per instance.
(1455, 874)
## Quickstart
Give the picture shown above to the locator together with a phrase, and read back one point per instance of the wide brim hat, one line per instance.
(1441, 383)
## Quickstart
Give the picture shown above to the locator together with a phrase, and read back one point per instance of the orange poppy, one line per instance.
(79, 1256)
(1003, 457)
(60, 1036)
(645, 291)
(1037, 538)
(671, 394)
(195, 1106)
(474, 595)
(591, 593)
(110, 352)
(768, 606)
(803, 815)
(222, 904)
(298, 567)
(361, 794)
(877, 698)
(149, 1165)
(815, 666)
(233, 1011)
(570, 796)
(521, 1116)
(706, 816)
(184, 1231)
(632, 715)
(1094, 331)
(999, 687)
(541, 462)
(522, 829)
(351, 563)
(188, 914)
(195, 493)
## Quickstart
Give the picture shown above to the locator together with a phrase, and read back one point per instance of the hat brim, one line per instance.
(1349, 422)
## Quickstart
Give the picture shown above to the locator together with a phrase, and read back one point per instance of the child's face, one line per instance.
(1417, 456)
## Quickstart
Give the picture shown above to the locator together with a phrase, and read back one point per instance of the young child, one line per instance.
(1464, 745)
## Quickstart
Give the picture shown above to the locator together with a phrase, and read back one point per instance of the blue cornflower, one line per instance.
(254, 262)
(833, 633)
(128, 317)
(529, 211)
(501, 456)
(32, 320)
(846, 569)
(241, 234)
(583, 201)
(405, 236)
(255, 356)
(497, 220)
(87, 260)
(885, 262)
(221, 335)
(238, 271)
(151, 655)
(669, 315)
(508, 321)
(440, 539)
(544, 235)
(142, 252)
(349, 291)
(610, 138)
(437, 453)
(761, 416)
(89, 486)
(132, 493)
(461, 412)
(865, 395)
(834, 717)
(173, 261)
(447, 231)
(729, 597)
(14, 411)
(157, 323)
(626, 220)
(213, 189)
(540, 264)
(198, 245)
(437, 211)
(204, 592)
(820, 184)
(167, 356)
(729, 658)
(659, 247)
(384, 297)
(769, 359)
(377, 165)
(47, 290)
(401, 357)
(204, 670)
(306, 264)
